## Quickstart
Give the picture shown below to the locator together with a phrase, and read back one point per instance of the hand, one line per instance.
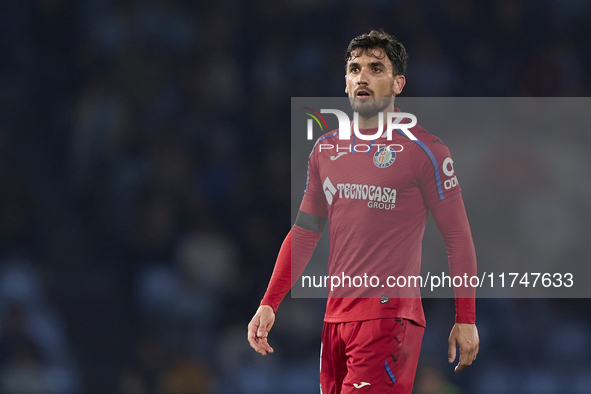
(464, 336)
(258, 329)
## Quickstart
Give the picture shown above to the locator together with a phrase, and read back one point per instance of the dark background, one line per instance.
(144, 187)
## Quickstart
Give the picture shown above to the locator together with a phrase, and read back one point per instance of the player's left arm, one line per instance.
(442, 194)
(452, 222)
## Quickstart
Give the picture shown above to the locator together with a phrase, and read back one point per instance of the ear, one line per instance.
(399, 82)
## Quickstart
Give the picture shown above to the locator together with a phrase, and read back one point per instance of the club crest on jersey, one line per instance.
(384, 157)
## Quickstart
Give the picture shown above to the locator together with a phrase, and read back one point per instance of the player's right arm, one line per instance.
(295, 252)
(304, 235)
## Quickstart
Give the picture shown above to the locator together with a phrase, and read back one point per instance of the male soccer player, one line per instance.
(372, 344)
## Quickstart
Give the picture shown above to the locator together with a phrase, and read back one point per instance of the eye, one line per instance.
(354, 69)
(377, 70)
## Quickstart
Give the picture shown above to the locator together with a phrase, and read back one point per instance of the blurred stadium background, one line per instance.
(144, 187)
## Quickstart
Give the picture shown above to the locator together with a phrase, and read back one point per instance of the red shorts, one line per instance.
(373, 356)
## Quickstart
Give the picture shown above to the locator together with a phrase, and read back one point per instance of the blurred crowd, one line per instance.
(144, 178)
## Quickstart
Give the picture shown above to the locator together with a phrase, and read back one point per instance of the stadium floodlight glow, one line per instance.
(393, 122)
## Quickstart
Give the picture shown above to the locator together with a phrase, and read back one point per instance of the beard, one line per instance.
(371, 107)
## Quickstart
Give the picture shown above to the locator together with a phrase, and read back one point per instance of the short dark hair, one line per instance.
(380, 39)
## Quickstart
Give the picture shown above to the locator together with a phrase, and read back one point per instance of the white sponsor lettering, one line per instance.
(381, 205)
(379, 197)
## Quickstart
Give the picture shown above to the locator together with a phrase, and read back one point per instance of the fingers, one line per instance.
(257, 337)
(258, 329)
(266, 347)
(465, 337)
(462, 364)
(468, 353)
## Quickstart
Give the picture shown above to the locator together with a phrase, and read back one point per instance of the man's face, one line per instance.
(370, 81)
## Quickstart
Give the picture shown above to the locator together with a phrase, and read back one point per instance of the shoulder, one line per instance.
(424, 138)
(427, 152)
(427, 138)
(327, 137)
(429, 144)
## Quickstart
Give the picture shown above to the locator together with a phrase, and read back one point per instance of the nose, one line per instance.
(362, 77)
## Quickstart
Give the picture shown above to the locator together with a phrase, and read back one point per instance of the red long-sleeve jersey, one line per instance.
(377, 196)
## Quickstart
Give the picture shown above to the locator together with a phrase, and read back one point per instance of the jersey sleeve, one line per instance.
(436, 174)
(289, 266)
(442, 194)
(314, 201)
(452, 222)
